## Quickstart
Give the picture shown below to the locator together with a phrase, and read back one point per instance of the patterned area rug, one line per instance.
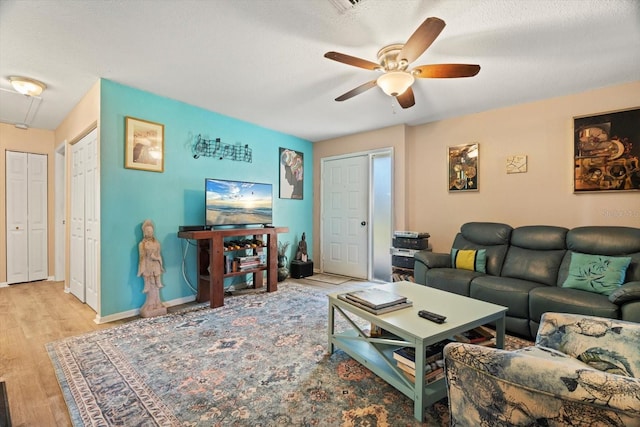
(261, 360)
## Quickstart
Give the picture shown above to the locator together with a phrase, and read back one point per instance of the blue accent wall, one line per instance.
(176, 196)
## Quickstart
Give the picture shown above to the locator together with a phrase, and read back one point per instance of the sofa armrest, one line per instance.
(628, 292)
(606, 344)
(488, 386)
(433, 259)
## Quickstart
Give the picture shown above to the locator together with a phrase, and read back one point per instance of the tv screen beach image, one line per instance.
(238, 203)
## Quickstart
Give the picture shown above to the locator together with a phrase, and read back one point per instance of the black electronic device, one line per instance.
(434, 317)
(194, 227)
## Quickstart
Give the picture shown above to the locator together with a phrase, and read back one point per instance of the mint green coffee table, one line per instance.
(410, 330)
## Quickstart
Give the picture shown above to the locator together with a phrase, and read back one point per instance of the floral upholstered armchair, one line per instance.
(582, 371)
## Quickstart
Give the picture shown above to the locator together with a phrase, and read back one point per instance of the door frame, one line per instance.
(60, 213)
(370, 154)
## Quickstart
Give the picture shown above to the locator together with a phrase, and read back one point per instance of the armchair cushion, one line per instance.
(488, 386)
(606, 344)
(582, 372)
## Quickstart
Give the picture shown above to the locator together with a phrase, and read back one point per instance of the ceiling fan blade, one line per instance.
(421, 39)
(406, 99)
(352, 60)
(437, 71)
(357, 91)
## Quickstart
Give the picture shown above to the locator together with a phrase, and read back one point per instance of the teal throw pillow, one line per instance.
(468, 259)
(596, 273)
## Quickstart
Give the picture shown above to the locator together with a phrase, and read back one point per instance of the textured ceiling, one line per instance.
(262, 60)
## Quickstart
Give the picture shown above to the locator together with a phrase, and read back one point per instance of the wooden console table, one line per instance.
(211, 260)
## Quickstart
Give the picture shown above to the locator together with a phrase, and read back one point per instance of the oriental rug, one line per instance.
(260, 360)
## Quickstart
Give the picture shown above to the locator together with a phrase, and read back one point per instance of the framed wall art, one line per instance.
(291, 174)
(517, 163)
(463, 167)
(607, 152)
(144, 145)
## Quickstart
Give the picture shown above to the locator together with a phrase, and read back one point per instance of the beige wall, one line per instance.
(543, 195)
(82, 119)
(391, 137)
(542, 130)
(27, 141)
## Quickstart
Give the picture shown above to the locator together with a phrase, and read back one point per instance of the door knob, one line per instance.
(363, 223)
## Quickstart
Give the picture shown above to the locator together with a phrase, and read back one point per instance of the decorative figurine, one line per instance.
(150, 268)
(301, 254)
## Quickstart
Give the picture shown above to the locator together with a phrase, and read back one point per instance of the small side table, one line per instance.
(300, 269)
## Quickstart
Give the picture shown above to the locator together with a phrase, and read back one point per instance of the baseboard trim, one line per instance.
(136, 312)
(4, 285)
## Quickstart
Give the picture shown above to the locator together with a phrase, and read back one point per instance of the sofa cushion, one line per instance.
(535, 254)
(451, 280)
(596, 273)
(469, 259)
(565, 300)
(607, 240)
(512, 293)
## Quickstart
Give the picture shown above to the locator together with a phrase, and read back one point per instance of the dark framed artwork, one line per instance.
(463, 167)
(143, 145)
(291, 174)
(606, 152)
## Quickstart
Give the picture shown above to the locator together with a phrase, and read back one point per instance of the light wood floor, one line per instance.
(34, 314)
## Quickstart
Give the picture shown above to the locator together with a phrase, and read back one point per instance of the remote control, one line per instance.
(434, 317)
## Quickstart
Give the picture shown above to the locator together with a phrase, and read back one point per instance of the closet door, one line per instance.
(85, 221)
(26, 201)
(76, 258)
(17, 214)
(38, 242)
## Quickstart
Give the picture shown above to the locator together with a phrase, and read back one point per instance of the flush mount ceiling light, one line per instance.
(27, 86)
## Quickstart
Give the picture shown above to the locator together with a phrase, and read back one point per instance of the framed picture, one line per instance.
(144, 145)
(291, 174)
(517, 163)
(607, 152)
(463, 167)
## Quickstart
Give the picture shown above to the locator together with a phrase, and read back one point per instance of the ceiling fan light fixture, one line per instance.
(395, 83)
(27, 86)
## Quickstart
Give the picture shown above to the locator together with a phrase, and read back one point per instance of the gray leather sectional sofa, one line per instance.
(527, 266)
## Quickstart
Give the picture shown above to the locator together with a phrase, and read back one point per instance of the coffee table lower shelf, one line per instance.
(363, 351)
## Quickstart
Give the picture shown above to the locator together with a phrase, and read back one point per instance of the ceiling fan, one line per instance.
(394, 60)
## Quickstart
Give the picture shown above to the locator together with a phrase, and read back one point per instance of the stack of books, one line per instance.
(376, 301)
(248, 262)
(434, 362)
(479, 336)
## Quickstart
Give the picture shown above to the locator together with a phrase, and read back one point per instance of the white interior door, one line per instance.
(26, 204)
(92, 221)
(17, 214)
(37, 225)
(77, 252)
(345, 216)
(85, 221)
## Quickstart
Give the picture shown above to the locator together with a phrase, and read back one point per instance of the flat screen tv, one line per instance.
(238, 203)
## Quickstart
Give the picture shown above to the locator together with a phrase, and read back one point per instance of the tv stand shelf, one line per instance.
(211, 260)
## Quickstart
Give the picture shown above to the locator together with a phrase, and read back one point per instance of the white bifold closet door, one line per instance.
(26, 201)
(85, 221)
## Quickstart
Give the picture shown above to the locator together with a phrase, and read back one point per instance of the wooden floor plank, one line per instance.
(34, 314)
